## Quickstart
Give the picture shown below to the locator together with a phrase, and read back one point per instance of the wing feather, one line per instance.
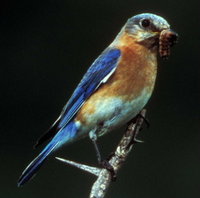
(98, 73)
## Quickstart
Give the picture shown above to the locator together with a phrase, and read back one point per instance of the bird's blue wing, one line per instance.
(103, 66)
(98, 72)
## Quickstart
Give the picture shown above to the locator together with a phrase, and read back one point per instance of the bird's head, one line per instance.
(152, 31)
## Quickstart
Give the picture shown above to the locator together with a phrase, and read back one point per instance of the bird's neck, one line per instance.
(126, 40)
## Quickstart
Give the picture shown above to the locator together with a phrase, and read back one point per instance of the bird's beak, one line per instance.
(167, 39)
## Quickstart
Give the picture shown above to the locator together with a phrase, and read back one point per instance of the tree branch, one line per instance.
(124, 147)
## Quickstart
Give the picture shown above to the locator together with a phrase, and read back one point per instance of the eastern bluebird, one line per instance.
(114, 89)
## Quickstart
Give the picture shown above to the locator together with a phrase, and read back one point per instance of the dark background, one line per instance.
(46, 46)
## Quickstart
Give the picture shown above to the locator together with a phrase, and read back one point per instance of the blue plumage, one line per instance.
(64, 129)
(103, 65)
(65, 135)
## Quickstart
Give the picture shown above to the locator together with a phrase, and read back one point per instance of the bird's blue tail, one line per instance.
(65, 135)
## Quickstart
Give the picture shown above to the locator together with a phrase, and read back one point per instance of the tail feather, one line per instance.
(63, 136)
(34, 166)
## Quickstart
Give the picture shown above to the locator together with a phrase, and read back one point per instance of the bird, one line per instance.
(115, 88)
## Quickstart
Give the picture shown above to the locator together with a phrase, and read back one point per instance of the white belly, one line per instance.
(113, 112)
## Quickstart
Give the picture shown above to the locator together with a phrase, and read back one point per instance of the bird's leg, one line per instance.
(139, 115)
(146, 121)
(105, 163)
(136, 120)
(93, 137)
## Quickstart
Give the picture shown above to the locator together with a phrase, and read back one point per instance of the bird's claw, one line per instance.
(109, 167)
(133, 141)
(146, 121)
(137, 141)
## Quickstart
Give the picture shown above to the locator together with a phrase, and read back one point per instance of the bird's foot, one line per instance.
(146, 121)
(134, 120)
(105, 164)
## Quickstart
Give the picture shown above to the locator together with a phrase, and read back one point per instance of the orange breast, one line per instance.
(135, 72)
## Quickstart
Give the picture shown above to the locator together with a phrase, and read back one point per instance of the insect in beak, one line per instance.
(166, 40)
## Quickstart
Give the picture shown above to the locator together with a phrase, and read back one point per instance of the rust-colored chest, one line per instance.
(133, 80)
(136, 71)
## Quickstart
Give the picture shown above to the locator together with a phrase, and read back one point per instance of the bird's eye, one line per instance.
(145, 23)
